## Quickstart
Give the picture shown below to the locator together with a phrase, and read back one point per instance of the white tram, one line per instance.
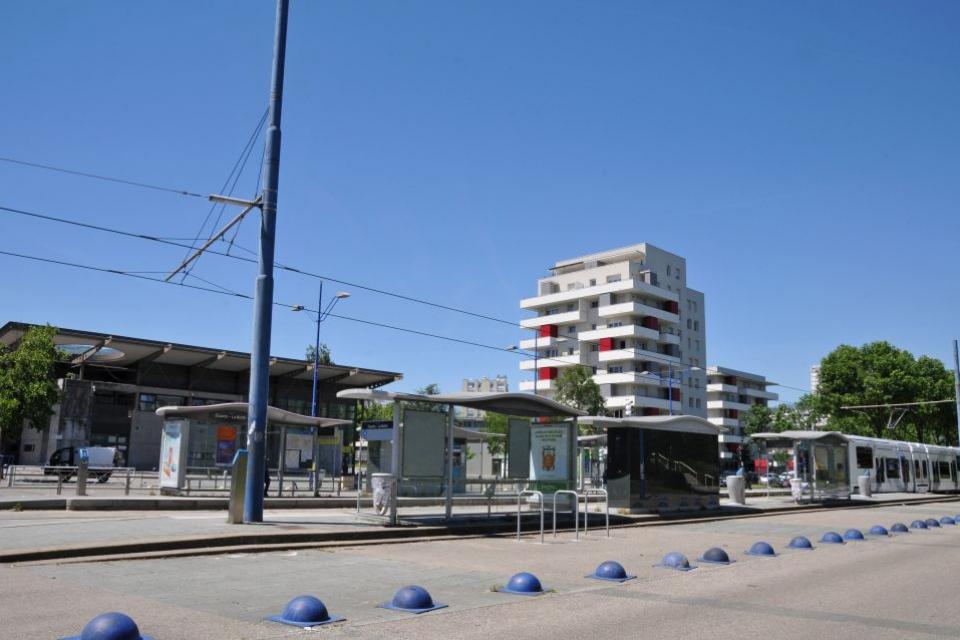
(896, 466)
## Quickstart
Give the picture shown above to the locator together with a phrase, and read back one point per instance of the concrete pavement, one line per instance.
(899, 587)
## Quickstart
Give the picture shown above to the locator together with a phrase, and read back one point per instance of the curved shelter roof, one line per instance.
(514, 404)
(687, 424)
(273, 414)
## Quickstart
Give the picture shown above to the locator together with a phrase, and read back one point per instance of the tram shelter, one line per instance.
(661, 463)
(208, 436)
(541, 439)
(820, 462)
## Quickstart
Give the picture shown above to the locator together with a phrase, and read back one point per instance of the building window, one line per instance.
(571, 329)
(616, 369)
(689, 323)
(696, 325)
(572, 306)
(594, 347)
(594, 304)
(593, 282)
(614, 278)
(690, 402)
(697, 343)
(698, 403)
(668, 269)
(553, 311)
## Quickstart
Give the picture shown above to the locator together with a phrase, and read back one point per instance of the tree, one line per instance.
(432, 389)
(759, 419)
(374, 410)
(28, 384)
(576, 388)
(324, 353)
(880, 373)
(496, 423)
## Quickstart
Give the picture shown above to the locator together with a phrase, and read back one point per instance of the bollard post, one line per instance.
(59, 483)
(126, 486)
(82, 467)
(238, 482)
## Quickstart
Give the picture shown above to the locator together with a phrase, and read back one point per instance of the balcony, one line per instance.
(552, 361)
(543, 387)
(630, 377)
(616, 355)
(567, 317)
(730, 423)
(669, 338)
(636, 309)
(727, 438)
(637, 286)
(757, 393)
(639, 402)
(543, 343)
(625, 331)
(720, 387)
(727, 404)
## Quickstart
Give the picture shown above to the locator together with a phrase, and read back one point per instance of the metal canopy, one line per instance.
(273, 414)
(787, 438)
(514, 404)
(686, 424)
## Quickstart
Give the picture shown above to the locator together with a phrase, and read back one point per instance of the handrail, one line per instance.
(586, 508)
(530, 492)
(576, 511)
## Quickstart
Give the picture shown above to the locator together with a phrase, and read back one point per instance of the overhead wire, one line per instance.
(96, 176)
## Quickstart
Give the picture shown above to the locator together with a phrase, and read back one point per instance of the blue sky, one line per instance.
(801, 156)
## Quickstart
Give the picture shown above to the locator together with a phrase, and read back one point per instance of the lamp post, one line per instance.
(322, 315)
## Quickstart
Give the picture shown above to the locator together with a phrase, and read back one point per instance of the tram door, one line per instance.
(905, 470)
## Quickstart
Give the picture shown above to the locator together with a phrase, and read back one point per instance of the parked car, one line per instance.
(99, 459)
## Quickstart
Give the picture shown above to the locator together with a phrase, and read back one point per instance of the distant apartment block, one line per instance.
(814, 378)
(628, 315)
(482, 385)
(730, 394)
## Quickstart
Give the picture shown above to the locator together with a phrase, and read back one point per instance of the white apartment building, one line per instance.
(628, 315)
(497, 384)
(730, 394)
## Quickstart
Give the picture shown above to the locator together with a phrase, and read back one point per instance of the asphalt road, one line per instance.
(899, 587)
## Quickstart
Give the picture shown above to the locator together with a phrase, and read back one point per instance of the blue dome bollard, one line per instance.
(412, 599)
(715, 555)
(879, 530)
(853, 534)
(948, 520)
(305, 611)
(932, 523)
(801, 542)
(918, 524)
(762, 549)
(110, 626)
(677, 561)
(899, 527)
(611, 571)
(831, 537)
(523, 584)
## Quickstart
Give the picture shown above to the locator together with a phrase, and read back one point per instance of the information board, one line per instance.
(172, 453)
(423, 450)
(518, 448)
(549, 452)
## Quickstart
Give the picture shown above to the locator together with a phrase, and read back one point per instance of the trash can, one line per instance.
(737, 489)
(382, 485)
(863, 482)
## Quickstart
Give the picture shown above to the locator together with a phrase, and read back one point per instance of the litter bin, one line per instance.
(863, 483)
(737, 489)
(382, 485)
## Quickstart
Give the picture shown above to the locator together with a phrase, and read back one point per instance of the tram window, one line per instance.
(864, 458)
(892, 468)
(925, 469)
(916, 469)
(944, 469)
(905, 464)
(953, 471)
(935, 471)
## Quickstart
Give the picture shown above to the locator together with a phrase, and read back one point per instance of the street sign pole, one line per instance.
(263, 295)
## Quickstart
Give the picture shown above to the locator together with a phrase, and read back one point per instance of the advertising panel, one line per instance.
(171, 454)
(424, 444)
(518, 448)
(549, 452)
(226, 444)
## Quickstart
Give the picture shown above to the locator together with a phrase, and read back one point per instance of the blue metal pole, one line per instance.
(316, 352)
(263, 295)
(670, 384)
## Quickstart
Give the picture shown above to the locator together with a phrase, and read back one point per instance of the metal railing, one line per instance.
(586, 508)
(529, 492)
(42, 477)
(576, 512)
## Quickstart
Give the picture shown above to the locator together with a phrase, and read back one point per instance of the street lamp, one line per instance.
(322, 314)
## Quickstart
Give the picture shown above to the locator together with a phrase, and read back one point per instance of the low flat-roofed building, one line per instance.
(111, 386)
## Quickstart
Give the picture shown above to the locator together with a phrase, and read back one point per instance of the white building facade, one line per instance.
(628, 315)
(730, 394)
(497, 384)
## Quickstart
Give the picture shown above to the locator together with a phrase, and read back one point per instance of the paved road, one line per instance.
(903, 587)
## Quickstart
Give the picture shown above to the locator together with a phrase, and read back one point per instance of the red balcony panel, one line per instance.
(606, 344)
(651, 411)
(650, 322)
(676, 394)
(731, 380)
(548, 331)
(734, 413)
(547, 373)
(672, 306)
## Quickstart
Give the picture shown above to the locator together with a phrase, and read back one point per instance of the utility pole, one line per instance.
(956, 385)
(263, 295)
